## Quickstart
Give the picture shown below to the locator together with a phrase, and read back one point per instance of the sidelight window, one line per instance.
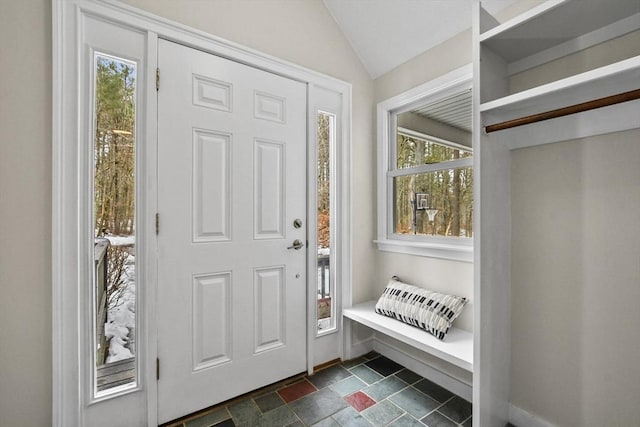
(114, 226)
(326, 298)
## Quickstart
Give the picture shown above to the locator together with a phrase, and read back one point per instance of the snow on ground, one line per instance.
(121, 240)
(121, 319)
(117, 336)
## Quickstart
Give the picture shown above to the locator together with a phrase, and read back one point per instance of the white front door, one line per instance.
(232, 182)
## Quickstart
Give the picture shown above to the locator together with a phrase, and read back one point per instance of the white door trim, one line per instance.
(68, 170)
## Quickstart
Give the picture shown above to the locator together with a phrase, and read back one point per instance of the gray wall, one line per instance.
(302, 32)
(25, 213)
(576, 266)
(576, 281)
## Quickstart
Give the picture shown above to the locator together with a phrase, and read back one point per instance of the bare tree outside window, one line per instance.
(449, 190)
(114, 221)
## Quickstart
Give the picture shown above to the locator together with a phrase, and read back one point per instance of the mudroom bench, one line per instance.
(457, 348)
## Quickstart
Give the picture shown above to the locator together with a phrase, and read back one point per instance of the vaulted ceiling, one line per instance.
(387, 33)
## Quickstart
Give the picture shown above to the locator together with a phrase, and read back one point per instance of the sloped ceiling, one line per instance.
(387, 33)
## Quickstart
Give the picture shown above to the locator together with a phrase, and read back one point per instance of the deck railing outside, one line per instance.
(324, 288)
(100, 256)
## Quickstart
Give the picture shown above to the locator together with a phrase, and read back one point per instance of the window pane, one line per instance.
(435, 203)
(114, 216)
(412, 151)
(326, 300)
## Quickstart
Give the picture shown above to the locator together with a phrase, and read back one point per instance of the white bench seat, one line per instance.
(457, 348)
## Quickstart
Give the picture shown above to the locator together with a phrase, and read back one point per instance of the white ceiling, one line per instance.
(387, 33)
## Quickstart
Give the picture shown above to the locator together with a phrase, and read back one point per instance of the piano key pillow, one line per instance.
(432, 311)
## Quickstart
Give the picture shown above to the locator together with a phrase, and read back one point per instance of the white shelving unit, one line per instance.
(545, 33)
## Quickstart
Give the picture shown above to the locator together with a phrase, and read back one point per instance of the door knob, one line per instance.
(297, 244)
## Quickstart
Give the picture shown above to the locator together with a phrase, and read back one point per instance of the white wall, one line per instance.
(302, 32)
(576, 281)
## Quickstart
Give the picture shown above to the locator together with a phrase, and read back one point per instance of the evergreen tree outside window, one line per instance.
(114, 209)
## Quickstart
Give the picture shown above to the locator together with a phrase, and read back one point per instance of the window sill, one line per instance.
(454, 252)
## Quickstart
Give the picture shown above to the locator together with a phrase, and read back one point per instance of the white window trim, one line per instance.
(450, 248)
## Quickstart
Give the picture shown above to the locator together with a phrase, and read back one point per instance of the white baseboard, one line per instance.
(452, 384)
(521, 418)
(361, 348)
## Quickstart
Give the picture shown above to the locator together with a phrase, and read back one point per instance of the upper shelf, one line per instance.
(553, 23)
(605, 81)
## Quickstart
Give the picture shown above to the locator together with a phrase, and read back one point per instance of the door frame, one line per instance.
(70, 206)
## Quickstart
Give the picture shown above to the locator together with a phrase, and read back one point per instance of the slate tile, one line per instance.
(348, 386)
(408, 376)
(382, 413)
(321, 404)
(433, 390)
(469, 423)
(406, 421)
(296, 391)
(349, 417)
(281, 416)
(327, 422)
(359, 401)
(385, 388)
(384, 366)
(353, 362)
(414, 402)
(209, 419)
(244, 412)
(371, 355)
(457, 409)
(226, 423)
(366, 374)
(436, 419)
(329, 376)
(296, 423)
(268, 402)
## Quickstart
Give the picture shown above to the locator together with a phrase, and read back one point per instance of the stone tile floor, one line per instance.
(368, 391)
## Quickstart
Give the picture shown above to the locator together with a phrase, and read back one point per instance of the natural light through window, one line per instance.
(425, 201)
(114, 224)
(438, 200)
(326, 290)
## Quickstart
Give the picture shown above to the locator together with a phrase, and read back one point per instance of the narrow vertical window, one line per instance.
(114, 208)
(326, 289)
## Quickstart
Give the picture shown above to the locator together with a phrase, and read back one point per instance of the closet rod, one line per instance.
(565, 111)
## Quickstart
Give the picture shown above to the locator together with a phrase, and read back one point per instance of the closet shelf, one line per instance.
(605, 81)
(553, 23)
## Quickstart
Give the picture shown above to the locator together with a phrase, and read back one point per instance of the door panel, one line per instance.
(232, 179)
